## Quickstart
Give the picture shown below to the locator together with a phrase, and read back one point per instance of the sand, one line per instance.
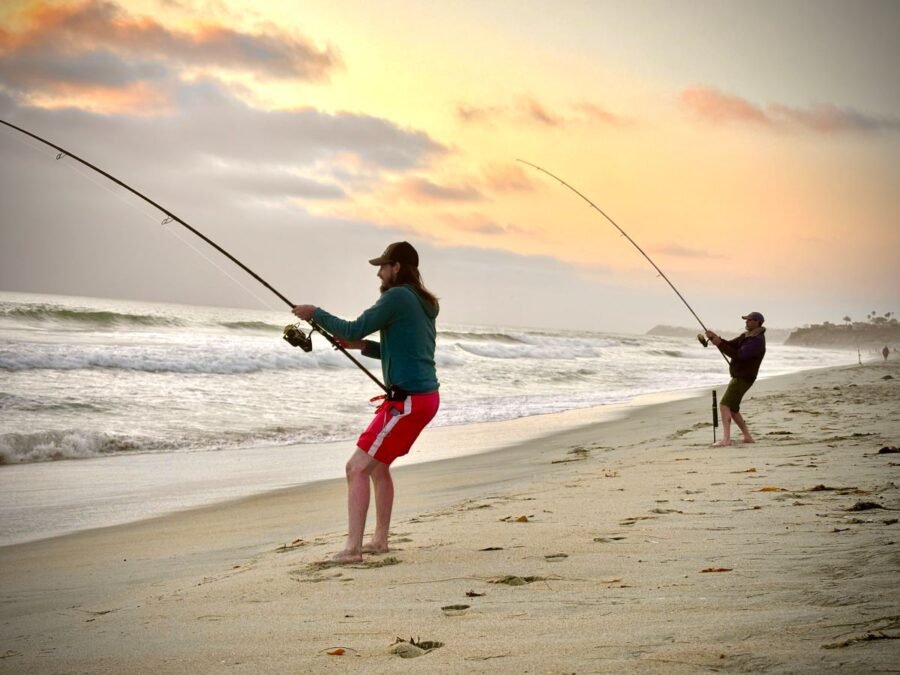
(628, 546)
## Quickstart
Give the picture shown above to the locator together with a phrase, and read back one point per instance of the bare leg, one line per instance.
(359, 468)
(739, 420)
(384, 504)
(725, 414)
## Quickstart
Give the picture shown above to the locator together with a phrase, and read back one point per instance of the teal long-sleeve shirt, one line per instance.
(406, 324)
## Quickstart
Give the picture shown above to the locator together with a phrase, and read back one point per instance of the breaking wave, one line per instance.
(46, 446)
(36, 313)
(50, 446)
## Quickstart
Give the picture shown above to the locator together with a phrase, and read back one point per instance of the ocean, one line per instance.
(114, 410)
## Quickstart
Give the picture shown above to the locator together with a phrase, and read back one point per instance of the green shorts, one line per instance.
(734, 393)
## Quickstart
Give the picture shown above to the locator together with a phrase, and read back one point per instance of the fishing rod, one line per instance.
(293, 335)
(701, 337)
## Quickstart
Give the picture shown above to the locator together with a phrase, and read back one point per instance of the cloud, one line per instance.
(95, 45)
(214, 148)
(684, 252)
(275, 182)
(535, 112)
(829, 118)
(713, 106)
(600, 114)
(507, 178)
(479, 224)
(474, 224)
(528, 110)
(423, 190)
(478, 114)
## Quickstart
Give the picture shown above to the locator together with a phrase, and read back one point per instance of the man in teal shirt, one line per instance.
(404, 316)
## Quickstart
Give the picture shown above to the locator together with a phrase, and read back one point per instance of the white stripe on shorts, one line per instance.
(379, 439)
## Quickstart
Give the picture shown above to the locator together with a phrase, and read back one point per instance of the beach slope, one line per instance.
(628, 546)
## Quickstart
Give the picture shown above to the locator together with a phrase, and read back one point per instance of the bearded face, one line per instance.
(388, 275)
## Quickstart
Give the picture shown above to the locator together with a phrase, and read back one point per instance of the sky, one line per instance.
(752, 150)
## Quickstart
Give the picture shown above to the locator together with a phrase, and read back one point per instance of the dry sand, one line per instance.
(629, 546)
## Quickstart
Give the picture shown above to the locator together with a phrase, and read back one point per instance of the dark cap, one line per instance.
(754, 316)
(398, 252)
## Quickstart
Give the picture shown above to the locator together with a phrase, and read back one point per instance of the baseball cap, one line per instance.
(755, 316)
(398, 252)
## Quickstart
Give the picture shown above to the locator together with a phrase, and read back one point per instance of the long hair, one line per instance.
(410, 276)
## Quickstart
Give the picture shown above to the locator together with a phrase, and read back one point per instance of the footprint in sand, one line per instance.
(634, 519)
(410, 649)
(455, 610)
(513, 580)
(314, 569)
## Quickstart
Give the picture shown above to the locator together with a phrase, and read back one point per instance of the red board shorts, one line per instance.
(397, 425)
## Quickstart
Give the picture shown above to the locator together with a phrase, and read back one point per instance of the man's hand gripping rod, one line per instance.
(293, 335)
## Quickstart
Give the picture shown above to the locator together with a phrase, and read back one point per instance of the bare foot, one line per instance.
(372, 547)
(722, 444)
(747, 439)
(345, 557)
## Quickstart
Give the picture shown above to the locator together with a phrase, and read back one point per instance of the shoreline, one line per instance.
(621, 520)
(103, 492)
(181, 482)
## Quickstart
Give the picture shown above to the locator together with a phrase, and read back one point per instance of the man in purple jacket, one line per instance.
(746, 353)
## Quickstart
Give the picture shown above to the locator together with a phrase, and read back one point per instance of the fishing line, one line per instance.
(125, 199)
(633, 242)
(203, 254)
(292, 334)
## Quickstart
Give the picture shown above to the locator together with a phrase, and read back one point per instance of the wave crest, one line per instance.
(59, 313)
(48, 446)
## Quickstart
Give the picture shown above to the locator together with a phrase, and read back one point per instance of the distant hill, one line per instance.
(848, 336)
(775, 335)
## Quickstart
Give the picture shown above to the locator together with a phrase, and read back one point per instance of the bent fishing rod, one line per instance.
(633, 243)
(292, 333)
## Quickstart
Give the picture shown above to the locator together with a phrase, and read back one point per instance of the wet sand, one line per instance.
(626, 546)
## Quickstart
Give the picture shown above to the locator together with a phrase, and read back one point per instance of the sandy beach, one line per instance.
(626, 546)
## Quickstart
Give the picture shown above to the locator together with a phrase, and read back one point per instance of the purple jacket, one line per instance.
(746, 353)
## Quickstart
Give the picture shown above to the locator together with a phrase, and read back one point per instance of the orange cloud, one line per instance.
(507, 179)
(602, 115)
(829, 118)
(537, 113)
(680, 251)
(98, 45)
(476, 114)
(138, 98)
(528, 110)
(422, 190)
(713, 106)
(475, 223)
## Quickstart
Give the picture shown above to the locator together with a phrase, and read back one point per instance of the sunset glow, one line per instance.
(756, 165)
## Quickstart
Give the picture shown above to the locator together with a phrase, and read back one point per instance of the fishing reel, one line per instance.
(295, 337)
(702, 339)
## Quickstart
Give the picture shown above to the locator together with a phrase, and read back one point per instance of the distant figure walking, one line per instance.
(746, 352)
(885, 352)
